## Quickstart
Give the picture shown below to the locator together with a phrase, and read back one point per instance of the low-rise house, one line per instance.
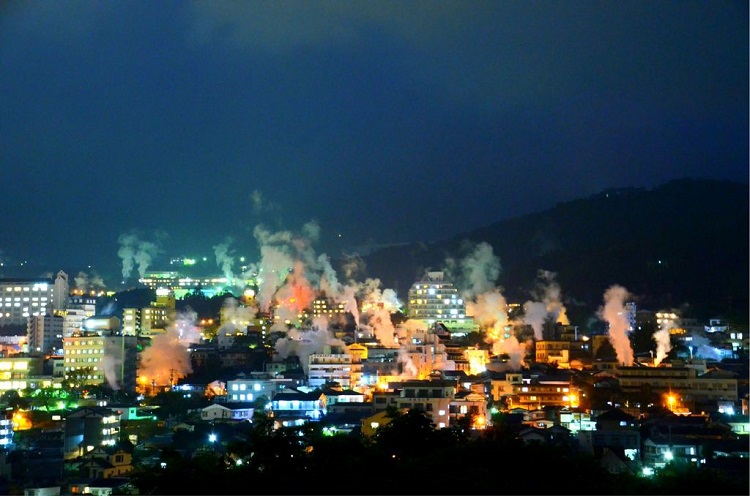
(616, 429)
(615, 461)
(251, 387)
(469, 403)
(228, 411)
(433, 396)
(370, 425)
(295, 403)
(110, 486)
(105, 462)
(335, 396)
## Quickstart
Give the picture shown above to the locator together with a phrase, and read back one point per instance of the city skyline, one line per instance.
(191, 124)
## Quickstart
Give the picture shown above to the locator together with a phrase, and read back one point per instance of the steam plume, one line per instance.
(225, 260)
(168, 358)
(136, 252)
(663, 344)
(87, 283)
(614, 313)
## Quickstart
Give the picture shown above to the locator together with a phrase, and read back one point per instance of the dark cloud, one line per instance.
(383, 121)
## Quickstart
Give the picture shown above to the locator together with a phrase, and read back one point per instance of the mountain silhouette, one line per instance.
(682, 245)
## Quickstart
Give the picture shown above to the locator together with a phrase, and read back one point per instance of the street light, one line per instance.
(212, 438)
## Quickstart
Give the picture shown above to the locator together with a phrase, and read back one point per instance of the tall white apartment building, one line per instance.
(433, 299)
(44, 333)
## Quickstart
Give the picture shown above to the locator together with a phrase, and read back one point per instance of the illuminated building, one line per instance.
(426, 354)
(291, 406)
(228, 411)
(467, 402)
(240, 321)
(83, 352)
(371, 424)
(616, 429)
(687, 386)
(88, 428)
(121, 361)
(531, 390)
(432, 396)
(258, 384)
(716, 325)
(631, 311)
(22, 298)
(73, 318)
(154, 319)
(91, 358)
(16, 371)
(326, 307)
(105, 463)
(433, 299)
(553, 352)
(358, 352)
(44, 333)
(102, 324)
(181, 284)
(6, 429)
(333, 366)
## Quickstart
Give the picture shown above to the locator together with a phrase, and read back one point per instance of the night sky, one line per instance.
(188, 124)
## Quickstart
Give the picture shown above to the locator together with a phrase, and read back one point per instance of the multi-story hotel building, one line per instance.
(83, 352)
(23, 298)
(433, 299)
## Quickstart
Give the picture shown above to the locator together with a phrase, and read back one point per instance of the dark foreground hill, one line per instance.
(683, 245)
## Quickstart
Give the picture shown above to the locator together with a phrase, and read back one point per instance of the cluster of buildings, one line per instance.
(567, 387)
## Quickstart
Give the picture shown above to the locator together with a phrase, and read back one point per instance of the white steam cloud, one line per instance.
(136, 252)
(615, 314)
(663, 343)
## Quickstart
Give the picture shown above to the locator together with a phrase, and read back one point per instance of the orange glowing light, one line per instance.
(21, 422)
(480, 422)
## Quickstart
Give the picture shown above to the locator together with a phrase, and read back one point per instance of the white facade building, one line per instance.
(257, 385)
(23, 298)
(44, 333)
(433, 299)
(333, 367)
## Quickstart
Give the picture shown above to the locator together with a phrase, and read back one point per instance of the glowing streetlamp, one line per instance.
(212, 438)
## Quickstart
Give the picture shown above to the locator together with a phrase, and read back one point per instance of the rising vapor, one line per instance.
(614, 313)
(137, 252)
